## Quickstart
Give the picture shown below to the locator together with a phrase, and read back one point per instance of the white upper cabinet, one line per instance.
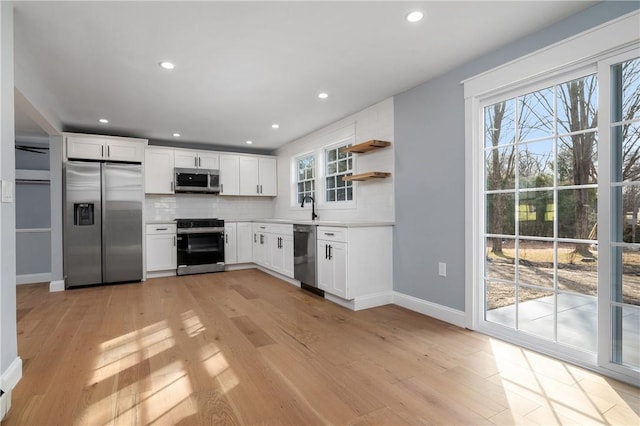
(97, 147)
(229, 174)
(258, 176)
(190, 159)
(158, 171)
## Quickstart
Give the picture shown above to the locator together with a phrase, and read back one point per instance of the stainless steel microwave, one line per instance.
(197, 180)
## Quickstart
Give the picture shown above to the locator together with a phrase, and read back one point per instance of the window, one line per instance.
(625, 203)
(338, 165)
(541, 174)
(306, 177)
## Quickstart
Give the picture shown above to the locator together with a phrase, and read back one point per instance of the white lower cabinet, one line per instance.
(237, 243)
(354, 262)
(161, 247)
(332, 267)
(273, 247)
(230, 243)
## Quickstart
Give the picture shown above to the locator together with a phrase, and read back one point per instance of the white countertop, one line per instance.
(338, 223)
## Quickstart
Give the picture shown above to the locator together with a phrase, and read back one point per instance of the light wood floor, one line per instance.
(245, 348)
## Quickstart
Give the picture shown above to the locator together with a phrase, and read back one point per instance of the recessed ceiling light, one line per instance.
(275, 126)
(176, 135)
(415, 16)
(323, 95)
(167, 65)
(249, 142)
(103, 120)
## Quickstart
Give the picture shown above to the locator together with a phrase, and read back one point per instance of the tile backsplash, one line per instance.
(169, 207)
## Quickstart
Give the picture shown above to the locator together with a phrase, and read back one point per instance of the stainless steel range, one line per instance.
(200, 246)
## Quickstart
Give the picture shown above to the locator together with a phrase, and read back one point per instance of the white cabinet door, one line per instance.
(158, 171)
(230, 244)
(249, 176)
(274, 253)
(268, 181)
(244, 242)
(85, 147)
(287, 253)
(332, 267)
(161, 252)
(338, 258)
(324, 265)
(229, 175)
(124, 150)
(207, 160)
(185, 159)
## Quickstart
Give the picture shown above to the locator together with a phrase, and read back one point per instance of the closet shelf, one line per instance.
(367, 176)
(33, 175)
(367, 146)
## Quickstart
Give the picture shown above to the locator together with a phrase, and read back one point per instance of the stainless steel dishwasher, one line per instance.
(304, 257)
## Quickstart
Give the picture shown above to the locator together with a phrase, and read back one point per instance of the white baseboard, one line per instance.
(372, 300)
(443, 313)
(280, 276)
(33, 278)
(239, 266)
(160, 274)
(8, 381)
(57, 285)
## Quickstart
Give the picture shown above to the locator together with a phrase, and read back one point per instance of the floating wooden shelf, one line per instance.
(367, 176)
(367, 146)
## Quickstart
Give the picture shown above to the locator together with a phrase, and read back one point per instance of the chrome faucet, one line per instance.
(313, 206)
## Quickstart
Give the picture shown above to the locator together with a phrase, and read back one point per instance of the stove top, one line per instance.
(199, 223)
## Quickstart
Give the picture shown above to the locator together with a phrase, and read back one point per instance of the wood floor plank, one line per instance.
(244, 347)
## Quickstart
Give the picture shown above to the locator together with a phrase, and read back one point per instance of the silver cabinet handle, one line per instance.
(226, 238)
(172, 186)
(331, 234)
(258, 189)
(108, 151)
(199, 161)
(174, 240)
(255, 238)
(261, 189)
(326, 251)
(161, 229)
(330, 254)
(102, 151)
(261, 239)
(221, 188)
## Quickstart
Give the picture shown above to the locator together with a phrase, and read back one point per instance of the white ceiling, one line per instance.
(241, 66)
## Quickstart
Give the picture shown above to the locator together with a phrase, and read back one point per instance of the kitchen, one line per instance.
(412, 160)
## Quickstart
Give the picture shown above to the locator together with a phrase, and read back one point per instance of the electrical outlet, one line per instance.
(442, 269)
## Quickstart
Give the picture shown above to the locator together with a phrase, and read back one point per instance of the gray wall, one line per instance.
(8, 336)
(429, 165)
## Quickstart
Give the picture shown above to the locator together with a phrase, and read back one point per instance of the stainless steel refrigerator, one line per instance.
(102, 223)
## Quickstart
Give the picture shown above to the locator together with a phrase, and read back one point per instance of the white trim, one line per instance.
(443, 313)
(55, 286)
(32, 230)
(11, 375)
(33, 278)
(160, 274)
(280, 276)
(240, 266)
(8, 381)
(373, 300)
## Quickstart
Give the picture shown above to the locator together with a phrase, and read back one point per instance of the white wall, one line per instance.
(169, 207)
(374, 199)
(10, 365)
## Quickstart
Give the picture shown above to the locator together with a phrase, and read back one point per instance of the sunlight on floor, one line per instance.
(217, 366)
(563, 392)
(143, 382)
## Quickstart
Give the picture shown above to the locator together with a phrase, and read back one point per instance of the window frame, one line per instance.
(594, 48)
(294, 177)
(322, 175)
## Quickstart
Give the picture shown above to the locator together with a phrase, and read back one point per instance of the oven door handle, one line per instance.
(211, 230)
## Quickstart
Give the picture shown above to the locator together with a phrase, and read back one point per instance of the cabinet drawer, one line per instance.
(332, 234)
(161, 228)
